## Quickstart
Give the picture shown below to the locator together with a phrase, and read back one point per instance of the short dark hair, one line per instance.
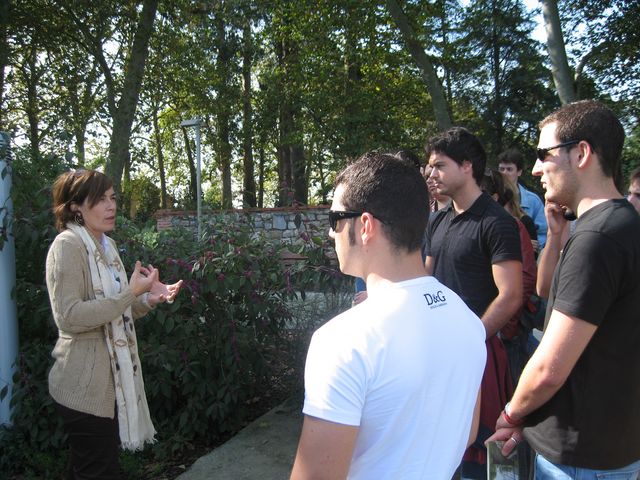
(76, 187)
(409, 157)
(460, 144)
(595, 123)
(391, 190)
(635, 175)
(514, 156)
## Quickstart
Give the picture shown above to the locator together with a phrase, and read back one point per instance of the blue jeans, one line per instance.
(545, 470)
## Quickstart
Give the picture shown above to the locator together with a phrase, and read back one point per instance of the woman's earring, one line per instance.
(78, 219)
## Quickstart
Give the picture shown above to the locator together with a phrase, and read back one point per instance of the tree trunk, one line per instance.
(444, 31)
(497, 111)
(285, 128)
(557, 53)
(5, 11)
(298, 172)
(119, 153)
(224, 111)
(431, 80)
(79, 126)
(261, 177)
(351, 144)
(293, 184)
(158, 138)
(32, 78)
(249, 183)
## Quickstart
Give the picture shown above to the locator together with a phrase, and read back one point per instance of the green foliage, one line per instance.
(33, 230)
(32, 447)
(218, 345)
(141, 198)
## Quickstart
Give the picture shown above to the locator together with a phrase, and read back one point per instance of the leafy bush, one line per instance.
(32, 445)
(218, 345)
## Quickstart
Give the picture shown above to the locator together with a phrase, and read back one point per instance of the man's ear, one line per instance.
(73, 206)
(368, 229)
(585, 154)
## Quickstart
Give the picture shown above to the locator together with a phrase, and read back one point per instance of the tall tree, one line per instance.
(249, 182)
(5, 12)
(562, 76)
(123, 114)
(440, 107)
(80, 86)
(507, 63)
(225, 50)
(291, 162)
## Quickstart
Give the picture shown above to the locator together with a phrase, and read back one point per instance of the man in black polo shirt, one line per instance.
(473, 247)
(578, 396)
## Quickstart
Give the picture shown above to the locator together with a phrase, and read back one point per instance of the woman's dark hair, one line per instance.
(493, 183)
(76, 187)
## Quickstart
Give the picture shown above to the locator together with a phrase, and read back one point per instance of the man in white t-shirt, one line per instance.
(391, 384)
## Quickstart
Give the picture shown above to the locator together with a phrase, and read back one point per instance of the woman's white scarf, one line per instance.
(134, 420)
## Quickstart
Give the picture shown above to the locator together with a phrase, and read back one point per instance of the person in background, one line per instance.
(516, 211)
(437, 201)
(96, 380)
(577, 400)
(634, 189)
(513, 334)
(390, 384)
(510, 164)
(473, 247)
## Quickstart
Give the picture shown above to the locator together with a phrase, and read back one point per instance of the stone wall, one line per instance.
(281, 224)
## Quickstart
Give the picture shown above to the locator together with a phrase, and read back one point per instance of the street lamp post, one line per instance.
(196, 122)
(8, 313)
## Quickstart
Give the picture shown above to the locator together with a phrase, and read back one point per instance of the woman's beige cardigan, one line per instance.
(81, 377)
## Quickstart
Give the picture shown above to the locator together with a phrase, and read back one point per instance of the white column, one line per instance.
(8, 314)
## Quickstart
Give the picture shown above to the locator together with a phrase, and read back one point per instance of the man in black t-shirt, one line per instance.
(473, 247)
(578, 396)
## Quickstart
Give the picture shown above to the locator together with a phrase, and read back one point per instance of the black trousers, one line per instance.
(95, 446)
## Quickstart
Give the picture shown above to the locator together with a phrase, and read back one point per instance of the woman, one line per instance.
(96, 380)
(512, 333)
(513, 207)
(437, 201)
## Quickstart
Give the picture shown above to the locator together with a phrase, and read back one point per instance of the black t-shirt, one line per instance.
(593, 421)
(465, 246)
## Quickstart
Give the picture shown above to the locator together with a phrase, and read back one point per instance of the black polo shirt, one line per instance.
(465, 246)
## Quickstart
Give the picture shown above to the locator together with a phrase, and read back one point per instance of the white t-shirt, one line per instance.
(405, 366)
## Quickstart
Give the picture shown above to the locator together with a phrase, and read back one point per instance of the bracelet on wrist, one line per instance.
(508, 419)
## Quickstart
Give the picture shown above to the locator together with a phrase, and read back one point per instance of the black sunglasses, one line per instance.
(543, 152)
(335, 216)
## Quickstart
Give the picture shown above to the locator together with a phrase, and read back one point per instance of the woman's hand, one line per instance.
(142, 279)
(160, 292)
